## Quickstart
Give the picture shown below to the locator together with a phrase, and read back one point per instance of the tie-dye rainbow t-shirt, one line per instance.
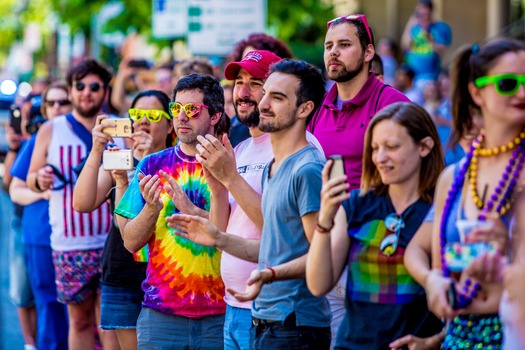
(183, 278)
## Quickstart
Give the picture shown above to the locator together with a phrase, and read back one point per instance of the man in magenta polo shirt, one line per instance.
(341, 121)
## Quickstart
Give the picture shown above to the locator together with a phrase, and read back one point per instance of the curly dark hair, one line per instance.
(260, 41)
(88, 66)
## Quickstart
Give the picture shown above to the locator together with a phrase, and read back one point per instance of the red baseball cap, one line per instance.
(257, 63)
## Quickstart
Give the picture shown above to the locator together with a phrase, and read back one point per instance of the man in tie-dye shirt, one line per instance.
(183, 304)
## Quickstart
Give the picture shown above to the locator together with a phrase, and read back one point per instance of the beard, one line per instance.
(252, 119)
(89, 112)
(344, 75)
(275, 126)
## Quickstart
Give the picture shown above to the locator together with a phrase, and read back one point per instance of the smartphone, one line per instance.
(338, 166)
(452, 296)
(139, 64)
(117, 160)
(15, 119)
(123, 128)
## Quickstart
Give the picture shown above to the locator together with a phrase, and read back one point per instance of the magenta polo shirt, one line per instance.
(343, 131)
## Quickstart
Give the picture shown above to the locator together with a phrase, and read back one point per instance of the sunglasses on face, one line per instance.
(153, 115)
(60, 103)
(505, 84)
(192, 110)
(94, 87)
(353, 18)
(393, 223)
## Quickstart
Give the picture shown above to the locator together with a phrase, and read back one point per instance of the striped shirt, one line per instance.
(72, 230)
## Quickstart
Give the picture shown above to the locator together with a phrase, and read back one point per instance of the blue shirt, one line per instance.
(421, 56)
(292, 192)
(35, 219)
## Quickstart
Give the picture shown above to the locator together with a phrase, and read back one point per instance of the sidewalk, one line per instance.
(10, 333)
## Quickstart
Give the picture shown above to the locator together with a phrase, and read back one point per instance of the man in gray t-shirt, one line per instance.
(285, 314)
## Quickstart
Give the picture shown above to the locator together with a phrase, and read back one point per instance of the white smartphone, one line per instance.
(117, 160)
(338, 166)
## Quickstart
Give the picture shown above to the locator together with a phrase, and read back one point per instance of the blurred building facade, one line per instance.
(472, 21)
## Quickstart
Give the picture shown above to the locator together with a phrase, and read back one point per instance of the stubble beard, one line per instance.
(345, 75)
(272, 126)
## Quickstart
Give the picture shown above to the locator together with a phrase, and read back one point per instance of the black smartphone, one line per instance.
(139, 64)
(452, 296)
(15, 119)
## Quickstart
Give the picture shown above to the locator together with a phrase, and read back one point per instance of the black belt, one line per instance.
(289, 321)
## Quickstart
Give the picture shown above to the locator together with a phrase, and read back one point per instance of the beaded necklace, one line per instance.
(503, 192)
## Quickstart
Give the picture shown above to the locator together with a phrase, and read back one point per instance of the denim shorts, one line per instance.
(19, 286)
(120, 307)
(156, 330)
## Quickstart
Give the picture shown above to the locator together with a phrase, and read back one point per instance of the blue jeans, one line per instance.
(237, 325)
(19, 285)
(288, 336)
(51, 315)
(158, 331)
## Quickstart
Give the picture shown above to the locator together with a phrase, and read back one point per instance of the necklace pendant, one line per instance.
(388, 245)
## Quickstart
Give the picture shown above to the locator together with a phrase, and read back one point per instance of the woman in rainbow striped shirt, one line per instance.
(368, 230)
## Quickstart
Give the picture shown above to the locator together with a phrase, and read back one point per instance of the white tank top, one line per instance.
(72, 230)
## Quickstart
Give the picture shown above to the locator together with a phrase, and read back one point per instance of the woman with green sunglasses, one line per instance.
(483, 187)
(122, 272)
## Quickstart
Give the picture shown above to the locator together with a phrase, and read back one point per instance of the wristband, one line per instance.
(322, 229)
(273, 275)
(14, 150)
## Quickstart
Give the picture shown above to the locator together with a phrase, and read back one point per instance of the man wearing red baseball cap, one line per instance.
(240, 172)
(257, 63)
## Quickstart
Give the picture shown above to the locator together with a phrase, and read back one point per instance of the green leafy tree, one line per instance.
(301, 24)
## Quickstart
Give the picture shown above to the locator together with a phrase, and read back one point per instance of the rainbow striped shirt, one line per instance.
(372, 276)
(183, 278)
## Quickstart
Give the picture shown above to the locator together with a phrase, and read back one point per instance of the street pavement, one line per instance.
(10, 333)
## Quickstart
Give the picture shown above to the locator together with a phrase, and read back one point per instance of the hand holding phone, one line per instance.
(452, 296)
(117, 160)
(338, 166)
(123, 127)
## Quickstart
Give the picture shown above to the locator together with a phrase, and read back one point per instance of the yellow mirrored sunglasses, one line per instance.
(153, 115)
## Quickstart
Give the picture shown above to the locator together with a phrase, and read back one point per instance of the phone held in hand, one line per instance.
(139, 63)
(338, 166)
(117, 160)
(15, 119)
(123, 127)
(452, 296)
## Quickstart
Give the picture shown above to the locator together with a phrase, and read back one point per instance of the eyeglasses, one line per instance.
(153, 115)
(192, 110)
(60, 103)
(505, 84)
(352, 18)
(394, 224)
(94, 87)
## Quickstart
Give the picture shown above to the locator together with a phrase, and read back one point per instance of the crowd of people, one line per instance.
(263, 208)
